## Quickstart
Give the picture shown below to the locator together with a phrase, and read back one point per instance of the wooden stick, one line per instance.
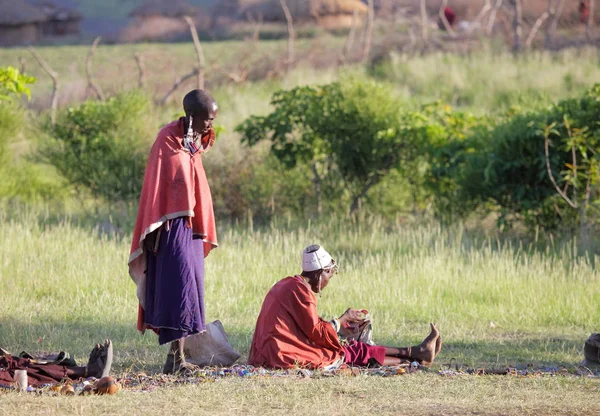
(55, 83)
(349, 40)
(560, 192)
(536, 27)
(486, 8)
(424, 20)
(176, 84)
(369, 32)
(517, 25)
(88, 69)
(291, 33)
(139, 59)
(445, 21)
(199, 52)
(591, 19)
(556, 11)
(23, 65)
(492, 18)
(257, 25)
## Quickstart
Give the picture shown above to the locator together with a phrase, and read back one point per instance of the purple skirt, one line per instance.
(175, 284)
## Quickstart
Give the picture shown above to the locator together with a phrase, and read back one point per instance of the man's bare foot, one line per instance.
(438, 345)
(426, 351)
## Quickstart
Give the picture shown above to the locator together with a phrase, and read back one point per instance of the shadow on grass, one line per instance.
(133, 351)
(525, 350)
(137, 352)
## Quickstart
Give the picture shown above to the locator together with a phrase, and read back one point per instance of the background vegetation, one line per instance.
(461, 225)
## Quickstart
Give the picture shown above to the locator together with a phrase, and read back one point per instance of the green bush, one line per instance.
(350, 135)
(103, 145)
(12, 122)
(13, 84)
(510, 169)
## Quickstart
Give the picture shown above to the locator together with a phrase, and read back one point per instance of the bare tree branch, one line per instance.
(139, 60)
(551, 176)
(291, 34)
(444, 20)
(424, 20)
(591, 17)
(486, 8)
(257, 25)
(176, 84)
(88, 70)
(55, 83)
(199, 52)
(536, 27)
(22, 65)
(492, 19)
(412, 36)
(517, 24)
(349, 40)
(369, 32)
(556, 9)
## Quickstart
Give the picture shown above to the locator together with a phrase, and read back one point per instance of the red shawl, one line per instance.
(289, 332)
(174, 186)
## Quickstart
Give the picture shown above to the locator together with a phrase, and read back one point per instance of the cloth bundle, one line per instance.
(210, 348)
(591, 351)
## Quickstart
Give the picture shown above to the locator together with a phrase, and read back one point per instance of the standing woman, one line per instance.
(175, 230)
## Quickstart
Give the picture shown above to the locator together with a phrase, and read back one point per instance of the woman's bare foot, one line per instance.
(100, 360)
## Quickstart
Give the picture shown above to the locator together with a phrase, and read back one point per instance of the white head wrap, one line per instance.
(315, 257)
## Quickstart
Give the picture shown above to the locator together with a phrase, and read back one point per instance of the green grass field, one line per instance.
(65, 286)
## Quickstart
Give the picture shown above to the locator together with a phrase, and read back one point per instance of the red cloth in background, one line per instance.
(450, 15)
(175, 185)
(584, 12)
(289, 333)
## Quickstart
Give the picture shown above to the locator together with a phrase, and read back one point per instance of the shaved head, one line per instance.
(199, 103)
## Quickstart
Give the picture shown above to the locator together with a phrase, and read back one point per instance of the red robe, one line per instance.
(289, 333)
(174, 186)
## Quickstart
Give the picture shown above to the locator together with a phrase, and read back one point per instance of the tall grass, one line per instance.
(66, 286)
(491, 80)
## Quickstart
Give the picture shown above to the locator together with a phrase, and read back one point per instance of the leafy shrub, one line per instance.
(510, 166)
(13, 84)
(12, 116)
(103, 145)
(349, 134)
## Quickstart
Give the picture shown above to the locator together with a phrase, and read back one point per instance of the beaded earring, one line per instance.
(189, 137)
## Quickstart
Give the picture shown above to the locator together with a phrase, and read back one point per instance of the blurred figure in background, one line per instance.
(450, 17)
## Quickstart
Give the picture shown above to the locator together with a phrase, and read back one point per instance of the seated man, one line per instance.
(289, 333)
(55, 369)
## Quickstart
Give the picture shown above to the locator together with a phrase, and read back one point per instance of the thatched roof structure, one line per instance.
(165, 8)
(57, 10)
(303, 10)
(19, 12)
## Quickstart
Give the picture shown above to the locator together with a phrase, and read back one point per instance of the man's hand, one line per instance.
(352, 317)
(352, 323)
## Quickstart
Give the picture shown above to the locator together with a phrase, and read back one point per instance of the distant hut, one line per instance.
(330, 14)
(20, 23)
(62, 18)
(162, 20)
